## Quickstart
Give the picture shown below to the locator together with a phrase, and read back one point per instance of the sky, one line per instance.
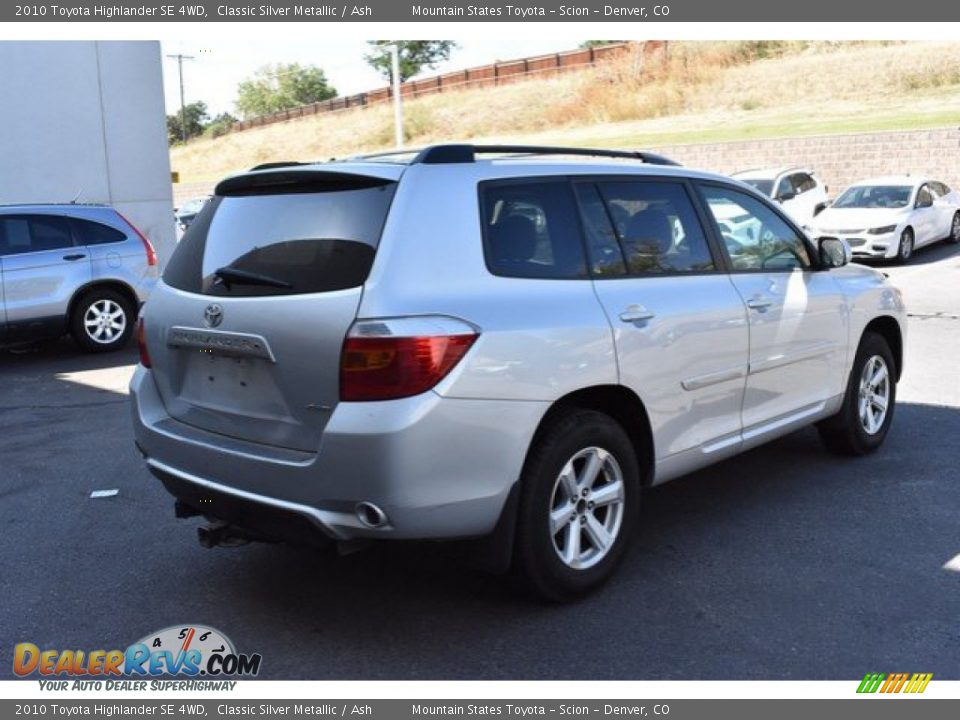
(220, 65)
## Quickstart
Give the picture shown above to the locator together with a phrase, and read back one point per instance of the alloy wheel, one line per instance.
(586, 510)
(874, 395)
(906, 245)
(104, 321)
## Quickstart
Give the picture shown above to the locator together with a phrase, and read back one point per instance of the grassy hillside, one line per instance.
(702, 92)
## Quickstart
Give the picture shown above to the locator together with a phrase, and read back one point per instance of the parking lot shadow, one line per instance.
(57, 373)
(783, 563)
(786, 562)
(61, 355)
(926, 255)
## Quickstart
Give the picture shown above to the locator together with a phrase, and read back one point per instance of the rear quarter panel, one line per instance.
(125, 262)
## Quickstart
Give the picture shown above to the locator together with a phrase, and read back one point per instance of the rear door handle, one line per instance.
(636, 313)
(76, 256)
(759, 303)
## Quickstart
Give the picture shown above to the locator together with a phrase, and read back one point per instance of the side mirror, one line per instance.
(834, 252)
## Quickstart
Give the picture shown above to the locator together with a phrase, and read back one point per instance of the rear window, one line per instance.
(531, 230)
(94, 233)
(284, 238)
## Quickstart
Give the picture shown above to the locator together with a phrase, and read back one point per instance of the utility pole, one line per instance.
(180, 57)
(394, 51)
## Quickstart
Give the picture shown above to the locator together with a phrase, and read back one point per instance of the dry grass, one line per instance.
(700, 90)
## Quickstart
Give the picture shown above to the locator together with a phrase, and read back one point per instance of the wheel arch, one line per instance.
(889, 329)
(115, 285)
(620, 403)
(495, 551)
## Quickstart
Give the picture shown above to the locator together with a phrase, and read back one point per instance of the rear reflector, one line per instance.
(401, 357)
(142, 345)
(147, 245)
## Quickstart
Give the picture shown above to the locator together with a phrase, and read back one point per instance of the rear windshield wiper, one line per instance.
(228, 276)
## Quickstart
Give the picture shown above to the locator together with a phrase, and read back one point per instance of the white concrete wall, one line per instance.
(88, 118)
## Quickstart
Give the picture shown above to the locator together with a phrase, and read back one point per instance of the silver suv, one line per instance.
(82, 269)
(508, 349)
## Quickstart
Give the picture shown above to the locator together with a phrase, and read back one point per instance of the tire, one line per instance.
(849, 432)
(577, 440)
(102, 320)
(954, 236)
(905, 249)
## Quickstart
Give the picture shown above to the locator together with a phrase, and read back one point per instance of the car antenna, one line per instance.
(77, 196)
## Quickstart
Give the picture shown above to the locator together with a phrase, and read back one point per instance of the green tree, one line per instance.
(415, 55)
(195, 115)
(220, 125)
(281, 87)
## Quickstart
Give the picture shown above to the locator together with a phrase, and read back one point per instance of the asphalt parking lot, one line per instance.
(784, 563)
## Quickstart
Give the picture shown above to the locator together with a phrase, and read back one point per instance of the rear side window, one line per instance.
(94, 233)
(33, 233)
(531, 230)
(606, 255)
(285, 238)
(657, 227)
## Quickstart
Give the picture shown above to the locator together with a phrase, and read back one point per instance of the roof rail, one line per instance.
(445, 154)
(274, 165)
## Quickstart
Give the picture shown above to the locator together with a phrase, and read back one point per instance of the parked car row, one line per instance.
(880, 218)
(84, 269)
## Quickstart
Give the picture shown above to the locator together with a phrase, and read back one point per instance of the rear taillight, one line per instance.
(399, 357)
(142, 345)
(147, 245)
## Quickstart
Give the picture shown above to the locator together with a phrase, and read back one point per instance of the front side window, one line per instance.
(764, 186)
(785, 187)
(803, 183)
(657, 227)
(755, 236)
(924, 197)
(531, 230)
(33, 233)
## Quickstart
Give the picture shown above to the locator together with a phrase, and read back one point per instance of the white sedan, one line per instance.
(889, 217)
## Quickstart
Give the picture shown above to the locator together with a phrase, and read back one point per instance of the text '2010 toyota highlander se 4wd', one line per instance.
(441, 346)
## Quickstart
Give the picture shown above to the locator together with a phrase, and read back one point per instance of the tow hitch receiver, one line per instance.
(224, 535)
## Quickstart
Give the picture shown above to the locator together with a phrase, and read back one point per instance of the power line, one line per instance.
(180, 57)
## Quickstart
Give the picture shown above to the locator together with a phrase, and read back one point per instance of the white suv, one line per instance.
(499, 343)
(798, 190)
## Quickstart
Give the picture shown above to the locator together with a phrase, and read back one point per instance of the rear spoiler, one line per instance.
(286, 180)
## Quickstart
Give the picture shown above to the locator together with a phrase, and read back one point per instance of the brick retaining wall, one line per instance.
(838, 159)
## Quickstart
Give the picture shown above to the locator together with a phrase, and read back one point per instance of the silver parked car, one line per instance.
(82, 269)
(441, 346)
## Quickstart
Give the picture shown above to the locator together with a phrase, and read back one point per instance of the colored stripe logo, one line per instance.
(894, 683)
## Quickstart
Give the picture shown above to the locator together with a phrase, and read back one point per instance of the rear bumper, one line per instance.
(439, 468)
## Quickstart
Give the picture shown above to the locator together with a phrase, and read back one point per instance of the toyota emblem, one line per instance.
(213, 315)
